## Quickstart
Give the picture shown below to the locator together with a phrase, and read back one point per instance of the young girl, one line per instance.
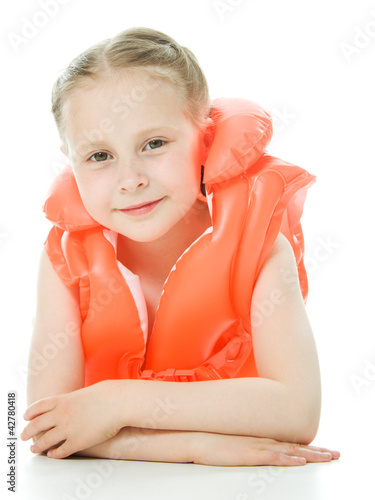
(176, 256)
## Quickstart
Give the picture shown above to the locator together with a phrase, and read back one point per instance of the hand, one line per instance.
(222, 449)
(74, 421)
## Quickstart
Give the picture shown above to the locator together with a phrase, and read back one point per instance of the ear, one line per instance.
(64, 150)
(208, 131)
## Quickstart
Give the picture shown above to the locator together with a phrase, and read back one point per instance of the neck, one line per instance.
(155, 259)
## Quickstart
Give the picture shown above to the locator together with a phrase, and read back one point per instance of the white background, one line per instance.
(312, 65)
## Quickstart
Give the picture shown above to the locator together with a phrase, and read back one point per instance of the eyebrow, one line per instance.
(86, 144)
(153, 129)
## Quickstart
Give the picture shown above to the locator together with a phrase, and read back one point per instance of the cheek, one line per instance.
(92, 193)
(187, 189)
(189, 166)
(186, 182)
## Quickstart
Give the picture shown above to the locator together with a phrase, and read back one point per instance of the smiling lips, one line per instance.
(142, 209)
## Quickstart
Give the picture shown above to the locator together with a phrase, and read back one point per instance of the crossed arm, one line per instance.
(282, 404)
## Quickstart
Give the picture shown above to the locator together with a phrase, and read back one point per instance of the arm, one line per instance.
(204, 448)
(153, 445)
(282, 404)
(56, 361)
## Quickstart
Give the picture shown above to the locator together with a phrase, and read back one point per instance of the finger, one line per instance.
(64, 450)
(335, 454)
(313, 456)
(251, 457)
(268, 457)
(309, 453)
(295, 449)
(39, 407)
(50, 439)
(36, 426)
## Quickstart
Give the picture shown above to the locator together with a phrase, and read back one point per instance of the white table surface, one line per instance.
(83, 478)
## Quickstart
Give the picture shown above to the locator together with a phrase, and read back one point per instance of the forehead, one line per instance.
(123, 98)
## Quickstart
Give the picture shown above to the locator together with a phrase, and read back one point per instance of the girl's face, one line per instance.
(135, 154)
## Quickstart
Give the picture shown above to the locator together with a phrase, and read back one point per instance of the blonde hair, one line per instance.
(137, 48)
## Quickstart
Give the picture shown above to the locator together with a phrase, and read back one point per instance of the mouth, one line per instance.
(141, 209)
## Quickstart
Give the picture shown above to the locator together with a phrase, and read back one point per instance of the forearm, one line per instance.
(153, 445)
(246, 406)
(204, 448)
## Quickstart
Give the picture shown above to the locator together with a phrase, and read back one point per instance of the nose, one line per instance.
(131, 177)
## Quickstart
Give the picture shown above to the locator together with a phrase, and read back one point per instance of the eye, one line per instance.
(154, 144)
(100, 156)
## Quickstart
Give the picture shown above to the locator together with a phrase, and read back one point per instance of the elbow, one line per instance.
(307, 434)
(301, 431)
(307, 425)
(304, 425)
(312, 425)
(312, 417)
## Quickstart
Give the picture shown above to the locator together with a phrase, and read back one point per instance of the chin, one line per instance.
(144, 236)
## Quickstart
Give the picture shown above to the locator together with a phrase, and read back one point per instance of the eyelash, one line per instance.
(150, 149)
(155, 140)
(98, 153)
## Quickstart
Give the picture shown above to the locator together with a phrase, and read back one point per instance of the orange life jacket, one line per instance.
(202, 329)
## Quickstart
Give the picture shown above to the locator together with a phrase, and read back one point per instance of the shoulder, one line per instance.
(279, 271)
(66, 253)
(46, 270)
(281, 254)
(49, 281)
